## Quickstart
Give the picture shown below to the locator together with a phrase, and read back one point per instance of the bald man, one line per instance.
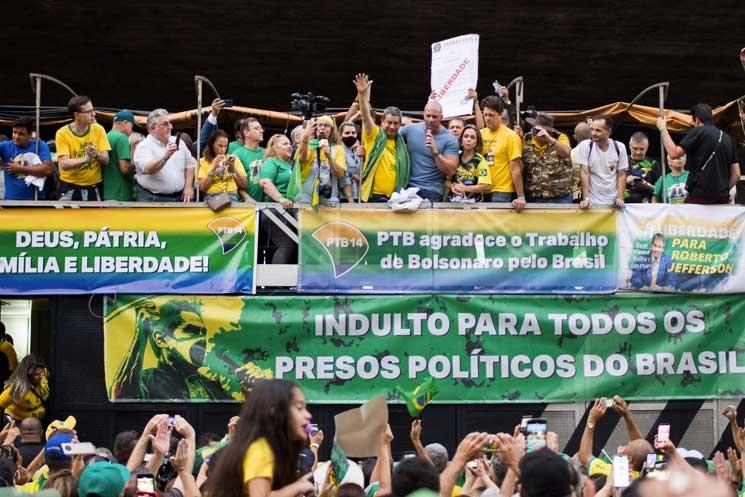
(434, 153)
(29, 444)
(581, 133)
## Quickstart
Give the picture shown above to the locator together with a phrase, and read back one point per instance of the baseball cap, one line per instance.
(53, 449)
(103, 479)
(124, 115)
(68, 424)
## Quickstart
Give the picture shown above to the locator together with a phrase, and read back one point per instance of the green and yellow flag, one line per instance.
(422, 395)
(339, 464)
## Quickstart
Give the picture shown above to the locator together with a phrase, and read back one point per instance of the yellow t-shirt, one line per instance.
(337, 154)
(501, 147)
(32, 405)
(72, 145)
(599, 467)
(384, 181)
(224, 183)
(7, 349)
(563, 139)
(258, 463)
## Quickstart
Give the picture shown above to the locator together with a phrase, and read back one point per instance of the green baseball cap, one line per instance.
(103, 479)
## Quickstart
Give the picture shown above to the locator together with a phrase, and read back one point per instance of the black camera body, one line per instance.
(308, 104)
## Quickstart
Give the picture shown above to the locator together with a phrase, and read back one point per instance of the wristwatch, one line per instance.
(590, 425)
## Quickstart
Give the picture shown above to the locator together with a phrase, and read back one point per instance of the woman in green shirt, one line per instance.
(274, 178)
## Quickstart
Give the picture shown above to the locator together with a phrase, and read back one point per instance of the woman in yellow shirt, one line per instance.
(26, 390)
(219, 172)
(262, 458)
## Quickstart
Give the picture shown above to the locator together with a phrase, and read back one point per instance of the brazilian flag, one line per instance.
(339, 464)
(422, 395)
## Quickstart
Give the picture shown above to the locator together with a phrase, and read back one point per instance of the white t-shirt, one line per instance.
(170, 179)
(604, 167)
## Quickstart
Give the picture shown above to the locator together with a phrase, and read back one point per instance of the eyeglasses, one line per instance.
(91, 111)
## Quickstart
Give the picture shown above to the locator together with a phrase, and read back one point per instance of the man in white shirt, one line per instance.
(165, 167)
(603, 164)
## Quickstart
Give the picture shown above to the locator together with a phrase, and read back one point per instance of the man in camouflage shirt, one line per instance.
(548, 168)
(643, 171)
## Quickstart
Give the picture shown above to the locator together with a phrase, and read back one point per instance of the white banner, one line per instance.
(681, 248)
(455, 69)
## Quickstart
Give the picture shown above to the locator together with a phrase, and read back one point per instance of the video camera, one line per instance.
(308, 104)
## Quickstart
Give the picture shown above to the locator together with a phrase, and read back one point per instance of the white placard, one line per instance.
(455, 69)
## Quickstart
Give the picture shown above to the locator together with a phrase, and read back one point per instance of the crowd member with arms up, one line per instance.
(636, 449)
(262, 458)
(387, 165)
(712, 164)
(321, 161)
(82, 150)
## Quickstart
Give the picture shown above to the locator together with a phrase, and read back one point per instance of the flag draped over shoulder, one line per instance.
(403, 164)
(298, 177)
(422, 395)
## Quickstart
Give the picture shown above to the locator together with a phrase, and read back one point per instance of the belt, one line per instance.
(167, 195)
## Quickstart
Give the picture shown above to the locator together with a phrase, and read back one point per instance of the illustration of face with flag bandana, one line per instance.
(422, 396)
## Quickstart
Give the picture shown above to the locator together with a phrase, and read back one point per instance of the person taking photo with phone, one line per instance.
(218, 171)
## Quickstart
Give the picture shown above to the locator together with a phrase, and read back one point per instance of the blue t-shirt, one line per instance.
(15, 187)
(424, 171)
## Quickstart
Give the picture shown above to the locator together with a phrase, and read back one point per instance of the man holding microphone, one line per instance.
(433, 151)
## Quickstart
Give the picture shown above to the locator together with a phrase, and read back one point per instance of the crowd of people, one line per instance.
(499, 158)
(271, 449)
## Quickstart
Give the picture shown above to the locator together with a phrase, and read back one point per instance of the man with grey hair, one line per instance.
(164, 165)
(434, 153)
(387, 165)
(643, 171)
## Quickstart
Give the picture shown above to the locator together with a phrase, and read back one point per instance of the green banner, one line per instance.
(457, 251)
(477, 348)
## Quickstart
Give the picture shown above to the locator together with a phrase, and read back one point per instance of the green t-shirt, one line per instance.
(249, 157)
(279, 172)
(676, 189)
(117, 186)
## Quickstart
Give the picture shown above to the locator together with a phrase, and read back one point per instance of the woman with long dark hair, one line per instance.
(220, 172)
(26, 390)
(262, 458)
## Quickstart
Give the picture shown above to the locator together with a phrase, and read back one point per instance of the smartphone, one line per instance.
(178, 140)
(650, 461)
(229, 102)
(409, 455)
(473, 464)
(313, 430)
(171, 421)
(490, 445)
(609, 403)
(621, 471)
(663, 434)
(145, 484)
(78, 448)
(524, 423)
(535, 434)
